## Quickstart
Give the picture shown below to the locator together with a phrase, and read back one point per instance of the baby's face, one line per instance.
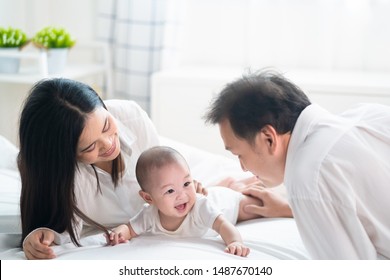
(173, 191)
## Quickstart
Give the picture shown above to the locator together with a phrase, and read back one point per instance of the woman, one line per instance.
(77, 163)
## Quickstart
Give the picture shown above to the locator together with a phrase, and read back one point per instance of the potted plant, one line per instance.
(56, 41)
(12, 40)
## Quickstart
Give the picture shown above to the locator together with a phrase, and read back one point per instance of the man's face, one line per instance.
(261, 158)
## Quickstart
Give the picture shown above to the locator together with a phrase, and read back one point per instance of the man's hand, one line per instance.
(274, 204)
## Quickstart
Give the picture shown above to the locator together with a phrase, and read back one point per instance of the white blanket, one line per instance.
(267, 238)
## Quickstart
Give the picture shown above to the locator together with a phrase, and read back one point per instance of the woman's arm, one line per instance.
(231, 236)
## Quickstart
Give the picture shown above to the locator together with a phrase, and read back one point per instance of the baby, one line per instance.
(174, 208)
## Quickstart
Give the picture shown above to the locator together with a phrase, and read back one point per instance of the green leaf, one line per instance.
(52, 37)
(12, 38)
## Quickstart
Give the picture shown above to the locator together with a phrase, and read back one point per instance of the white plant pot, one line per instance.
(9, 65)
(56, 60)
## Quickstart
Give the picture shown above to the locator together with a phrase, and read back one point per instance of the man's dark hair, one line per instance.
(256, 100)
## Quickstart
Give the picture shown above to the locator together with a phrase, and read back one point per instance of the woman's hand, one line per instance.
(37, 244)
(274, 204)
(199, 188)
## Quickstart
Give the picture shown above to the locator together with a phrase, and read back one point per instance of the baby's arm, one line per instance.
(121, 234)
(231, 236)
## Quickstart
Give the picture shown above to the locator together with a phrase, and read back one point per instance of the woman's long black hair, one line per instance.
(51, 122)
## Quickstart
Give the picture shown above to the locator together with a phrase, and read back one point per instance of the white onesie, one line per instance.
(198, 221)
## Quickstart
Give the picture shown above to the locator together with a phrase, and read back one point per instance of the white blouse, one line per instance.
(338, 180)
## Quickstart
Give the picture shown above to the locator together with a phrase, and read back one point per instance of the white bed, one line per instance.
(268, 238)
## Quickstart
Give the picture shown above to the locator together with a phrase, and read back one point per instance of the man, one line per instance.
(336, 168)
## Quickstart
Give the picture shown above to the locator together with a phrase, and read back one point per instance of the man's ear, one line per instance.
(146, 196)
(267, 137)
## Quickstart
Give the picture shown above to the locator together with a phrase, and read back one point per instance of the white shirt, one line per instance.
(115, 205)
(196, 224)
(338, 181)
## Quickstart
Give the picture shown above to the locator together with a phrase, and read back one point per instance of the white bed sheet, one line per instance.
(267, 238)
(276, 238)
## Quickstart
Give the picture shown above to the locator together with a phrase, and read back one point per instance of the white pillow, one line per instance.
(10, 187)
(8, 152)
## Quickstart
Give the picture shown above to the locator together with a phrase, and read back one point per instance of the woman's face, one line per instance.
(99, 141)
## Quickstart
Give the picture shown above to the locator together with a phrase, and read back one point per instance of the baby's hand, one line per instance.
(237, 248)
(116, 236)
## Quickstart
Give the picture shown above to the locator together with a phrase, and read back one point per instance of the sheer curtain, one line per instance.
(142, 37)
(151, 35)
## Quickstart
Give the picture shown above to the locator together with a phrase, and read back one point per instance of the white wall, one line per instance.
(78, 17)
(31, 15)
(311, 34)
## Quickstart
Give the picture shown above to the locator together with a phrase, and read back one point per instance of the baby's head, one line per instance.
(165, 180)
(154, 159)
